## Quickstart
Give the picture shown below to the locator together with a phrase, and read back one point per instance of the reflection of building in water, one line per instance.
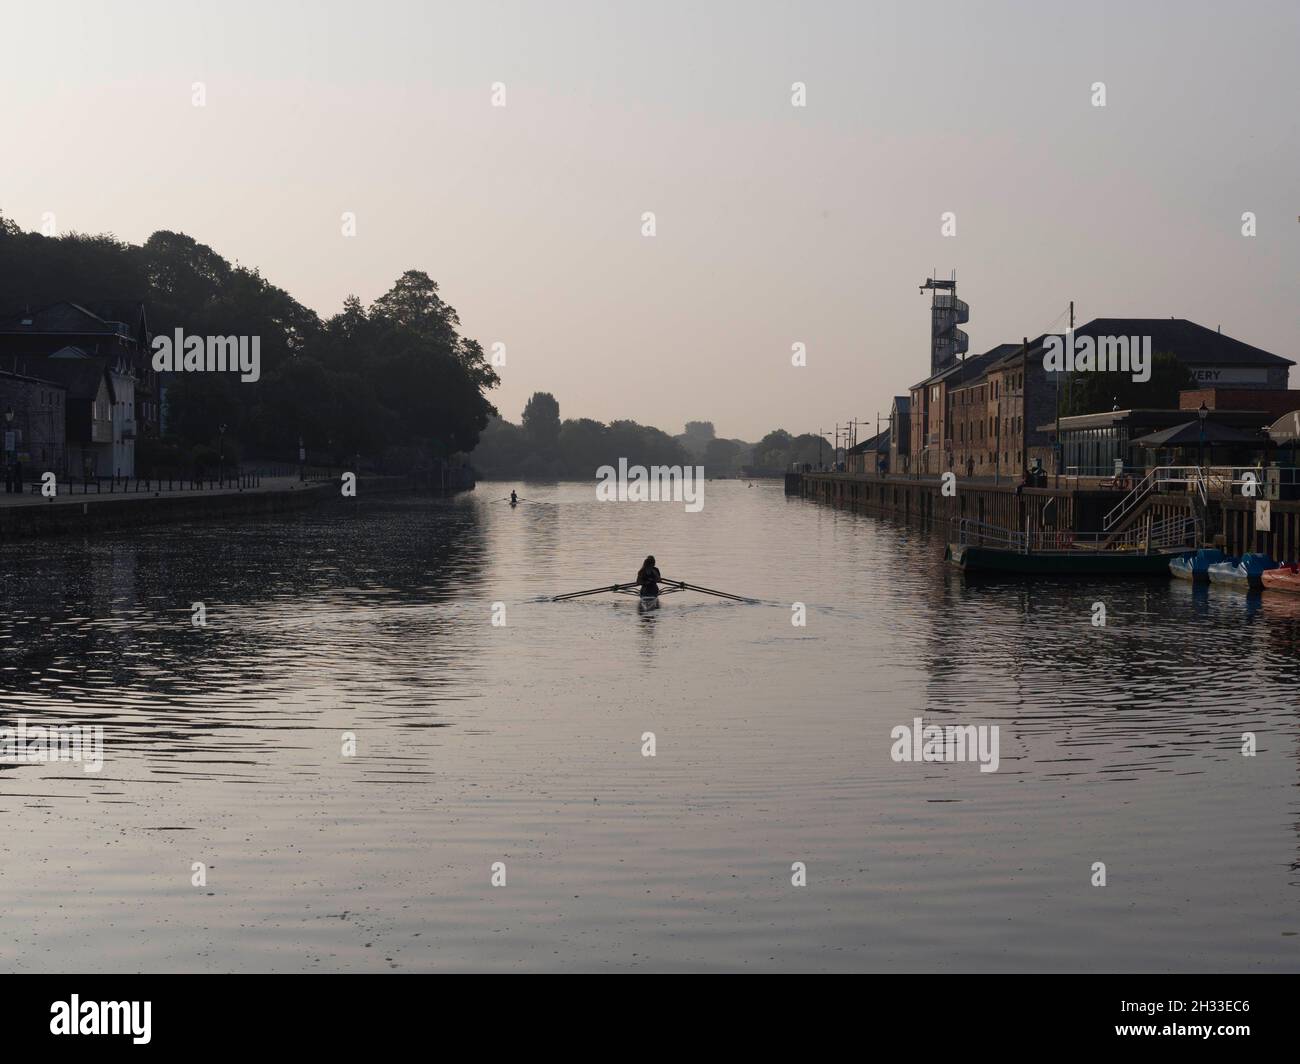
(1074, 699)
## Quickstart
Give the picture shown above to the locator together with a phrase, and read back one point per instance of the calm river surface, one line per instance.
(522, 744)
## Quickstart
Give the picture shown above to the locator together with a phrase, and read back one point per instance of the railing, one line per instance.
(1167, 533)
(1204, 482)
(149, 485)
(1178, 530)
(1129, 503)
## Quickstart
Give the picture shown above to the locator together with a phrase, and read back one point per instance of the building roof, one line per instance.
(1192, 433)
(1190, 342)
(80, 373)
(1154, 419)
(878, 442)
(966, 369)
(28, 379)
(902, 403)
(73, 318)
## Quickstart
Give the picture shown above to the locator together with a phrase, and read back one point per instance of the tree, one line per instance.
(399, 379)
(542, 423)
(501, 450)
(413, 303)
(773, 450)
(805, 448)
(1095, 393)
(696, 437)
(721, 456)
(584, 447)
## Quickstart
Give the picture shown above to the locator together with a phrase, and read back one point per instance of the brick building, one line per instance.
(94, 445)
(1268, 401)
(118, 332)
(33, 420)
(994, 414)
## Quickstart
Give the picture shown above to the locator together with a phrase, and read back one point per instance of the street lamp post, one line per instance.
(9, 424)
(825, 433)
(1201, 415)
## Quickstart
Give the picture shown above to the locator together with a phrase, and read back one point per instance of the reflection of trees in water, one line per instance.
(115, 615)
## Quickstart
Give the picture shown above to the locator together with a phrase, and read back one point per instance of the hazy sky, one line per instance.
(776, 224)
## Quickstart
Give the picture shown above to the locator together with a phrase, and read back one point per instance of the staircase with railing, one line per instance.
(1157, 480)
(1204, 488)
(1175, 532)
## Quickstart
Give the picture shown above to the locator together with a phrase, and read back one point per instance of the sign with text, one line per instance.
(1263, 515)
(1221, 375)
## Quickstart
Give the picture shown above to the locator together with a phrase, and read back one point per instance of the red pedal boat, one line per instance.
(1283, 578)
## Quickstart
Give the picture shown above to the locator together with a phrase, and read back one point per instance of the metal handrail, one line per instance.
(1175, 531)
(1204, 480)
(1140, 491)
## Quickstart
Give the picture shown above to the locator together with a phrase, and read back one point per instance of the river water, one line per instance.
(520, 744)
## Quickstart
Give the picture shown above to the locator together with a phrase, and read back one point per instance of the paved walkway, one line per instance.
(67, 497)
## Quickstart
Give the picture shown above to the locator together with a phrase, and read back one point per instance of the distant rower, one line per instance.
(649, 577)
(513, 497)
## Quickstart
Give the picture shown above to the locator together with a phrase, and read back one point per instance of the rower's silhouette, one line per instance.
(649, 577)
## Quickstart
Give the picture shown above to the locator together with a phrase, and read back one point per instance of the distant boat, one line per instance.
(1242, 572)
(1195, 566)
(1283, 578)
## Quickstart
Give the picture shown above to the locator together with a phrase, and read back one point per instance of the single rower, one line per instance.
(649, 578)
(513, 497)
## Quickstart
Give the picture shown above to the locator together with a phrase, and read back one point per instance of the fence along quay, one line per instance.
(1212, 501)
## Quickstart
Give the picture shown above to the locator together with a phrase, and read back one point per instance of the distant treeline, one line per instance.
(544, 447)
(394, 383)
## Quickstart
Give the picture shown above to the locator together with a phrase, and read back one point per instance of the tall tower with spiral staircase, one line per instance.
(947, 342)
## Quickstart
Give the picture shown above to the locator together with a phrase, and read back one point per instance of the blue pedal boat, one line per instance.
(1242, 572)
(1195, 565)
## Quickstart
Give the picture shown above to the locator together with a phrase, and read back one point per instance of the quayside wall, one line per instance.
(88, 515)
(1065, 508)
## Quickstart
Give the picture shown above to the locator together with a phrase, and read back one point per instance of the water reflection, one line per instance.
(521, 742)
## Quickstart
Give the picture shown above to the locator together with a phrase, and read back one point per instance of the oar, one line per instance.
(593, 591)
(708, 591)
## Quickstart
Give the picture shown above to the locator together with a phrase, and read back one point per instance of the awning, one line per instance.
(1192, 433)
(1286, 429)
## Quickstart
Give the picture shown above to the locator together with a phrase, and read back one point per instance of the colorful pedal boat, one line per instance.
(1195, 566)
(1283, 578)
(1245, 571)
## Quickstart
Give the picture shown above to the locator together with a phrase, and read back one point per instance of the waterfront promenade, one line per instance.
(1078, 506)
(29, 514)
(69, 494)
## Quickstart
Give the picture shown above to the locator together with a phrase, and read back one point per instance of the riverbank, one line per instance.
(28, 515)
(1075, 507)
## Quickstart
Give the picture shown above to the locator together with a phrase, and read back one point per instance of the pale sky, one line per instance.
(776, 224)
